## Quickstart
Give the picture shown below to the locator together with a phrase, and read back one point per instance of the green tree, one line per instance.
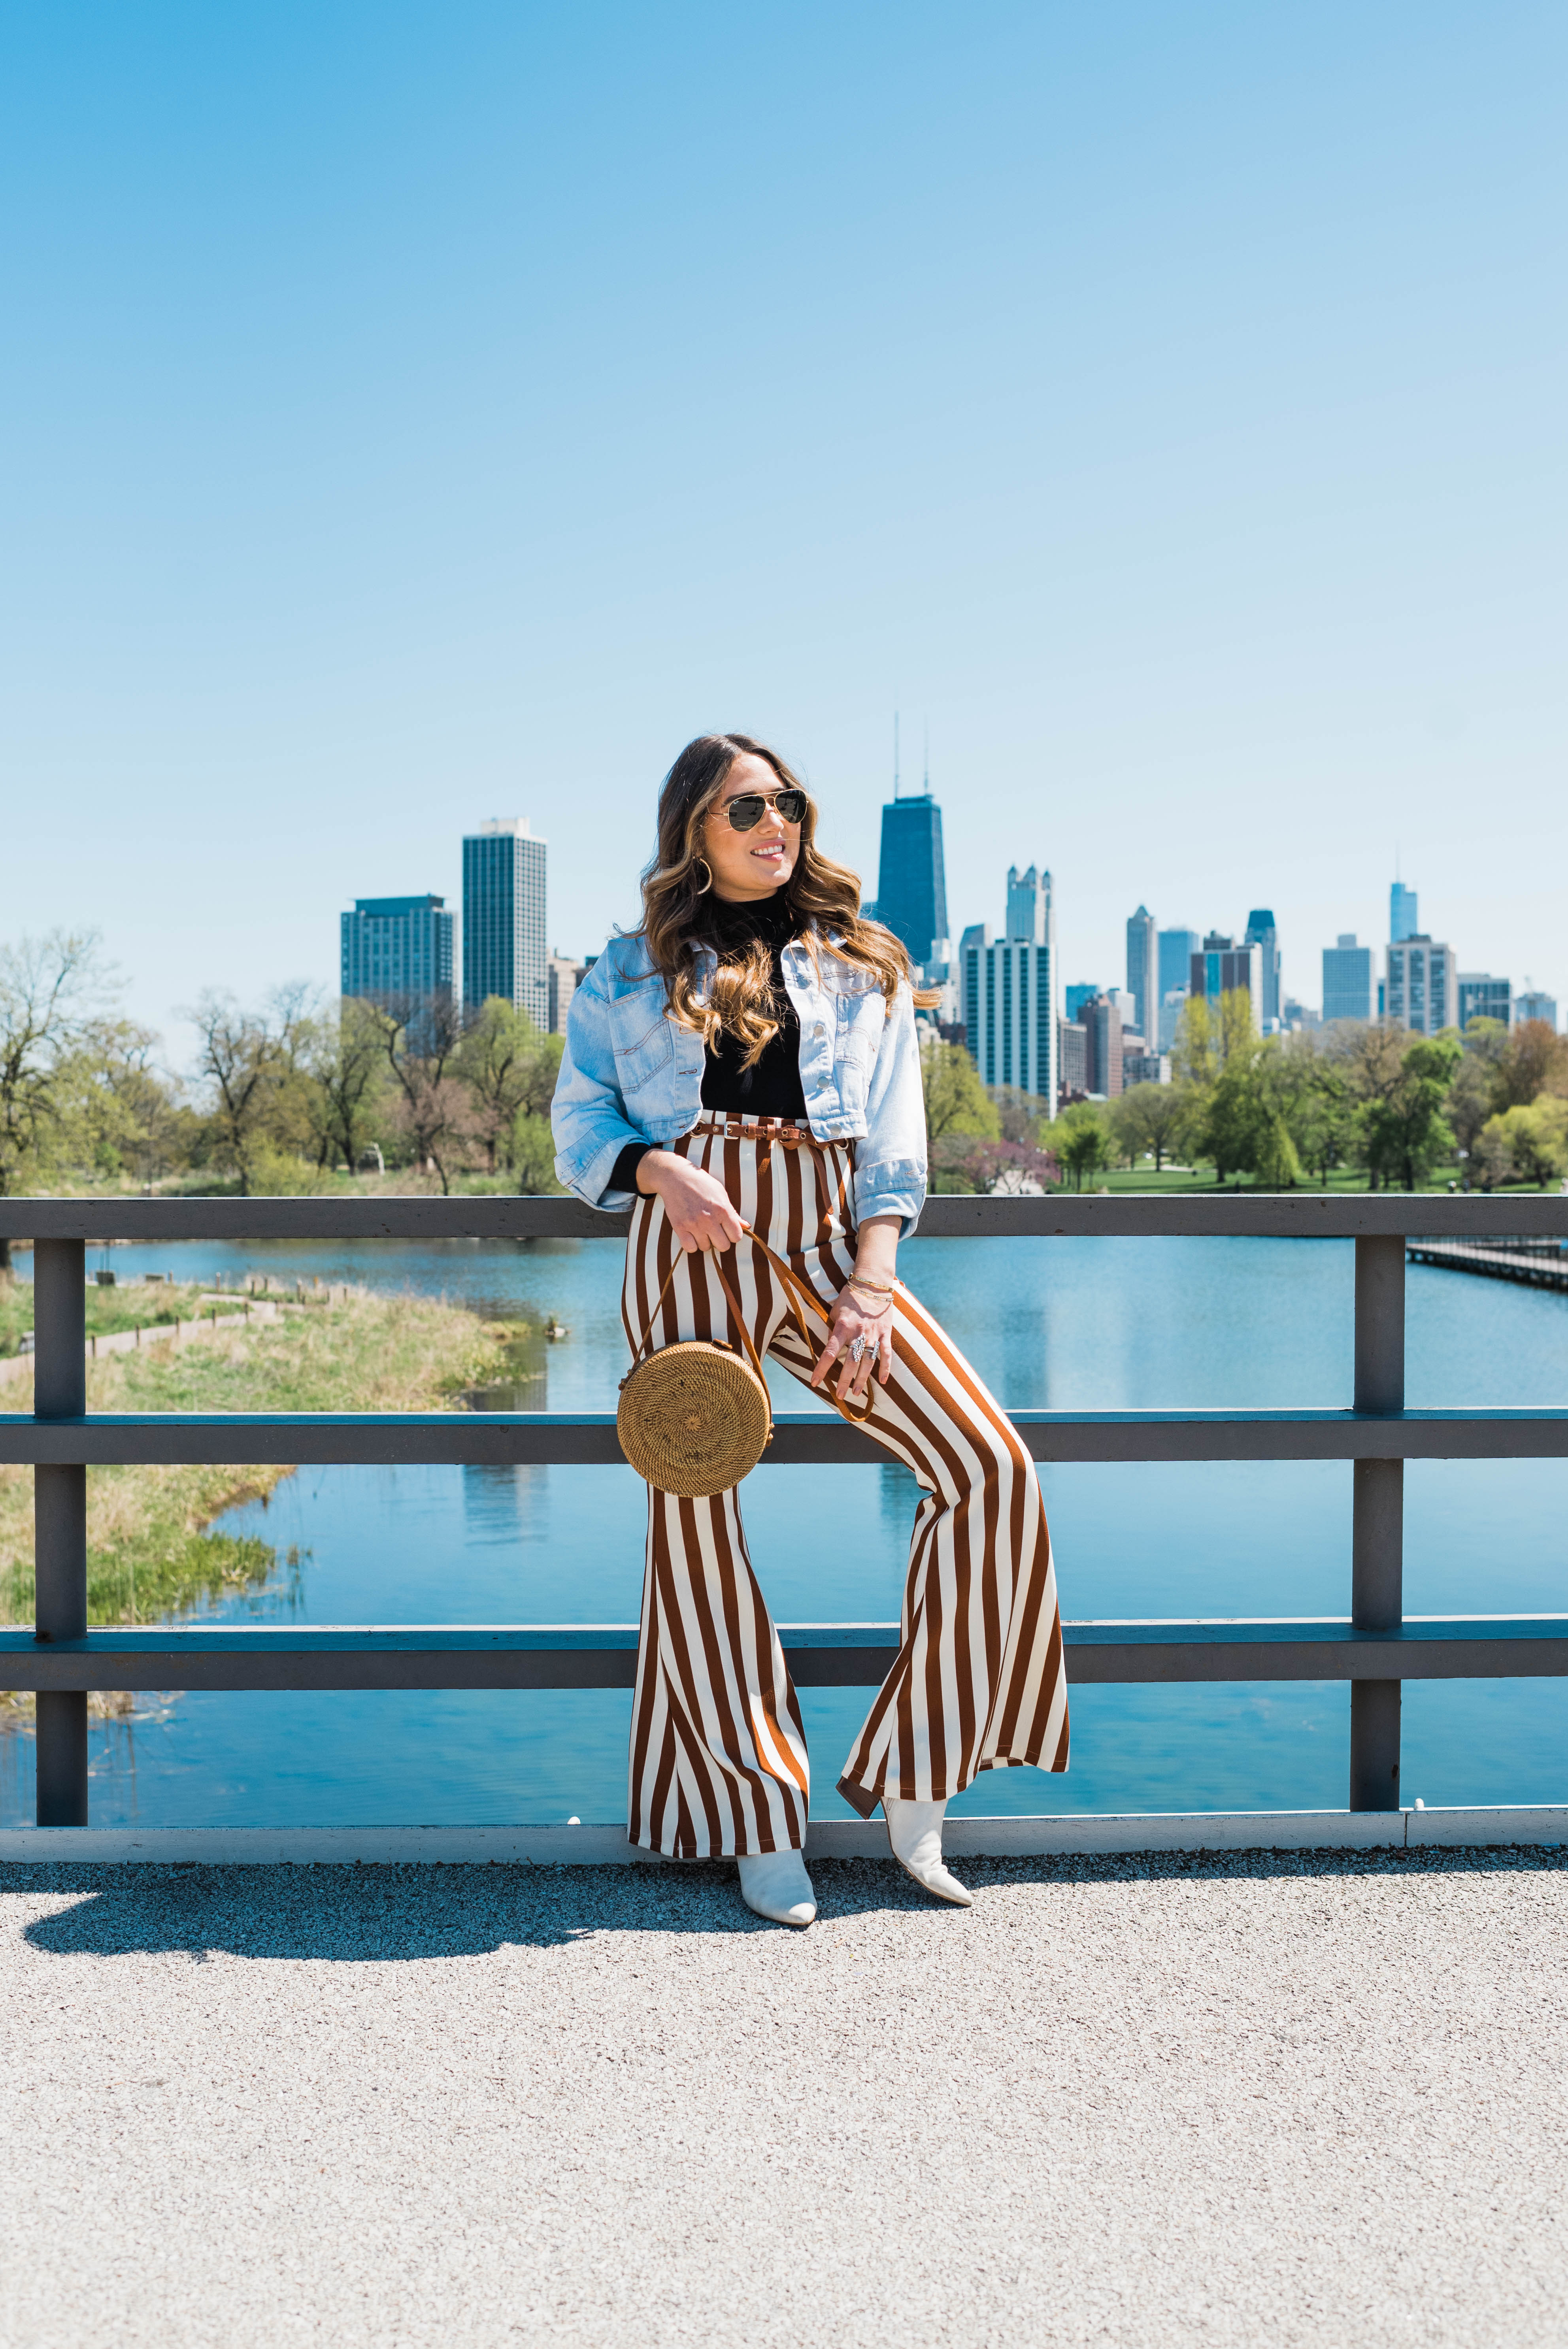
(1150, 1121)
(1314, 1098)
(531, 1155)
(1236, 1117)
(1275, 1165)
(1404, 1132)
(120, 1113)
(1370, 1062)
(296, 1115)
(433, 1109)
(1533, 1059)
(1475, 1094)
(510, 1068)
(1210, 1034)
(48, 988)
(240, 1058)
(955, 1100)
(1080, 1142)
(1528, 1141)
(350, 1075)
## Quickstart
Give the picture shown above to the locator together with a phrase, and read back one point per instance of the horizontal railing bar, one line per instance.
(1342, 1214)
(604, 1655)
(819, 1438)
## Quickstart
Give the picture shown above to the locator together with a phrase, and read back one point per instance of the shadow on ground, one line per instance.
(407, 1914)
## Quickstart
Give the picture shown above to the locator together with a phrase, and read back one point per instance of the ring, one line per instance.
(857, 1349)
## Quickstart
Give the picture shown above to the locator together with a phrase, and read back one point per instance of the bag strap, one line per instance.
(794, 1289)
(755, 1357)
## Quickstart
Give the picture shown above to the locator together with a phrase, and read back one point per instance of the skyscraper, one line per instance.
(911, 888)
(1010, 991)
(1262, 933)
(1100, 1020)
(1482, 997)
(1143, 970)
(1536, 1004)
(1423, 985)
(504, 949)
(1177, 949)
(1404, 922)
(1347, 980)
(397, 952)
(565, 977)
(1220, 967)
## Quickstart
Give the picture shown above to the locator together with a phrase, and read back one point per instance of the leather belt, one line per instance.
(785, 1130)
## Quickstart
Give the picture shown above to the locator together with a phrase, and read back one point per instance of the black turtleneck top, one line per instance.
(771, 1089)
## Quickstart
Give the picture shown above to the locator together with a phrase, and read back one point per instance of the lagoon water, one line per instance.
(1087, 1323)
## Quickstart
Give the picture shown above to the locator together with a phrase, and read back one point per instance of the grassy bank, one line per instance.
(148, 1553)
(138, 1304)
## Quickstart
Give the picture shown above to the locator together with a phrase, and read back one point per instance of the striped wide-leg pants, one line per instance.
(719, 1759)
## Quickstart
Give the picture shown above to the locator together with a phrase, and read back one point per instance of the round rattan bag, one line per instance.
(694, 1418)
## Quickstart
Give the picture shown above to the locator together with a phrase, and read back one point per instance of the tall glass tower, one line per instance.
(1263, 932)
(911, 888)
(1143, 973)
(1010, 992)
(397, 951)
(504, 949)
(1404, 921)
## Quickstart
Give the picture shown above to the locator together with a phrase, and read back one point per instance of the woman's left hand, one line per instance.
(852, 1319)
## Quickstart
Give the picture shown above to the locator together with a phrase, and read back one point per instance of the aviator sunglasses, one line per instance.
(744, 810)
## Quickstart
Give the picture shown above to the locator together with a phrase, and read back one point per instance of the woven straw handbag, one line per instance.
(694, 1418)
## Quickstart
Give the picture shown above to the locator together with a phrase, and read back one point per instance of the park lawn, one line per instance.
(148, 1553)
(1185, 1178)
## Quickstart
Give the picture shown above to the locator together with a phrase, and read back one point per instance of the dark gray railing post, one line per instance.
(1378, 1531)
(60, 1541)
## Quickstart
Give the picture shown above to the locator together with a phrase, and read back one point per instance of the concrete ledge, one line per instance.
(1506, 1822)
(969, 1838)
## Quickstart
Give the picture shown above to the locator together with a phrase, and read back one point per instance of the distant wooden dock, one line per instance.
(1542, 1264)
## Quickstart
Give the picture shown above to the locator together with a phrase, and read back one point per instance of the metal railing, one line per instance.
(1376, 1648)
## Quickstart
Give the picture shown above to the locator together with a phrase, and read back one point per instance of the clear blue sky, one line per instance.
(416, 413)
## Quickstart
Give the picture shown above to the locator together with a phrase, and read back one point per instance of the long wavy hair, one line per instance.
(824, 898)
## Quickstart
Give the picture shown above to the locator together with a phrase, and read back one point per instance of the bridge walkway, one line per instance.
(1293, 2098)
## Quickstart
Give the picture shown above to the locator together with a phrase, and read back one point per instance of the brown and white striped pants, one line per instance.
(719, 1759)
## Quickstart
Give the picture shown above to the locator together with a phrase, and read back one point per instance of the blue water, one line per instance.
(1092, 1323)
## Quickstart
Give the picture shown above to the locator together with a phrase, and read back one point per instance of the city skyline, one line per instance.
(384, 940)
(912, 899)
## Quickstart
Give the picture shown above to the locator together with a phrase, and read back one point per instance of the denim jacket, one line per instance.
(631, 1073)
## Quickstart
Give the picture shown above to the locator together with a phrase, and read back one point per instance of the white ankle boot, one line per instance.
(774, 1883)
(914, 1831)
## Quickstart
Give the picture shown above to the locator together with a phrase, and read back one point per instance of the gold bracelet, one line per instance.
(872, 1288)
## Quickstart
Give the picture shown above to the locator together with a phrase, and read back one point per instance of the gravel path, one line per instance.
(1296, 2099)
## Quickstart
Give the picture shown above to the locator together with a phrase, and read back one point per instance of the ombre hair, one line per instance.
(824, 898)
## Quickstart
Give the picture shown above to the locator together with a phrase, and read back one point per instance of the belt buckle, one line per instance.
(735, 1129)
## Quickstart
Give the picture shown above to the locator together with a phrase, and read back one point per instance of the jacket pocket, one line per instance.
(642, 1035)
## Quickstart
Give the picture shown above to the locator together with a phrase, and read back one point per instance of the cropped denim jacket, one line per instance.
(631, 1073)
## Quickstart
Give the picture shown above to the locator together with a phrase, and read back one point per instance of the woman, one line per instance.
(748, 1057)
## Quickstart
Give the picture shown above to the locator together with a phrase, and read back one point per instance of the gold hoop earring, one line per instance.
(708, 870)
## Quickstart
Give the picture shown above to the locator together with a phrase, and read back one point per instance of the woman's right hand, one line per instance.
(701, 1212)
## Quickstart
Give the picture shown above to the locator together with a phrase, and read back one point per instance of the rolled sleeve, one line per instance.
(896, 1187)
(588, 1117)
(890, 1163)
